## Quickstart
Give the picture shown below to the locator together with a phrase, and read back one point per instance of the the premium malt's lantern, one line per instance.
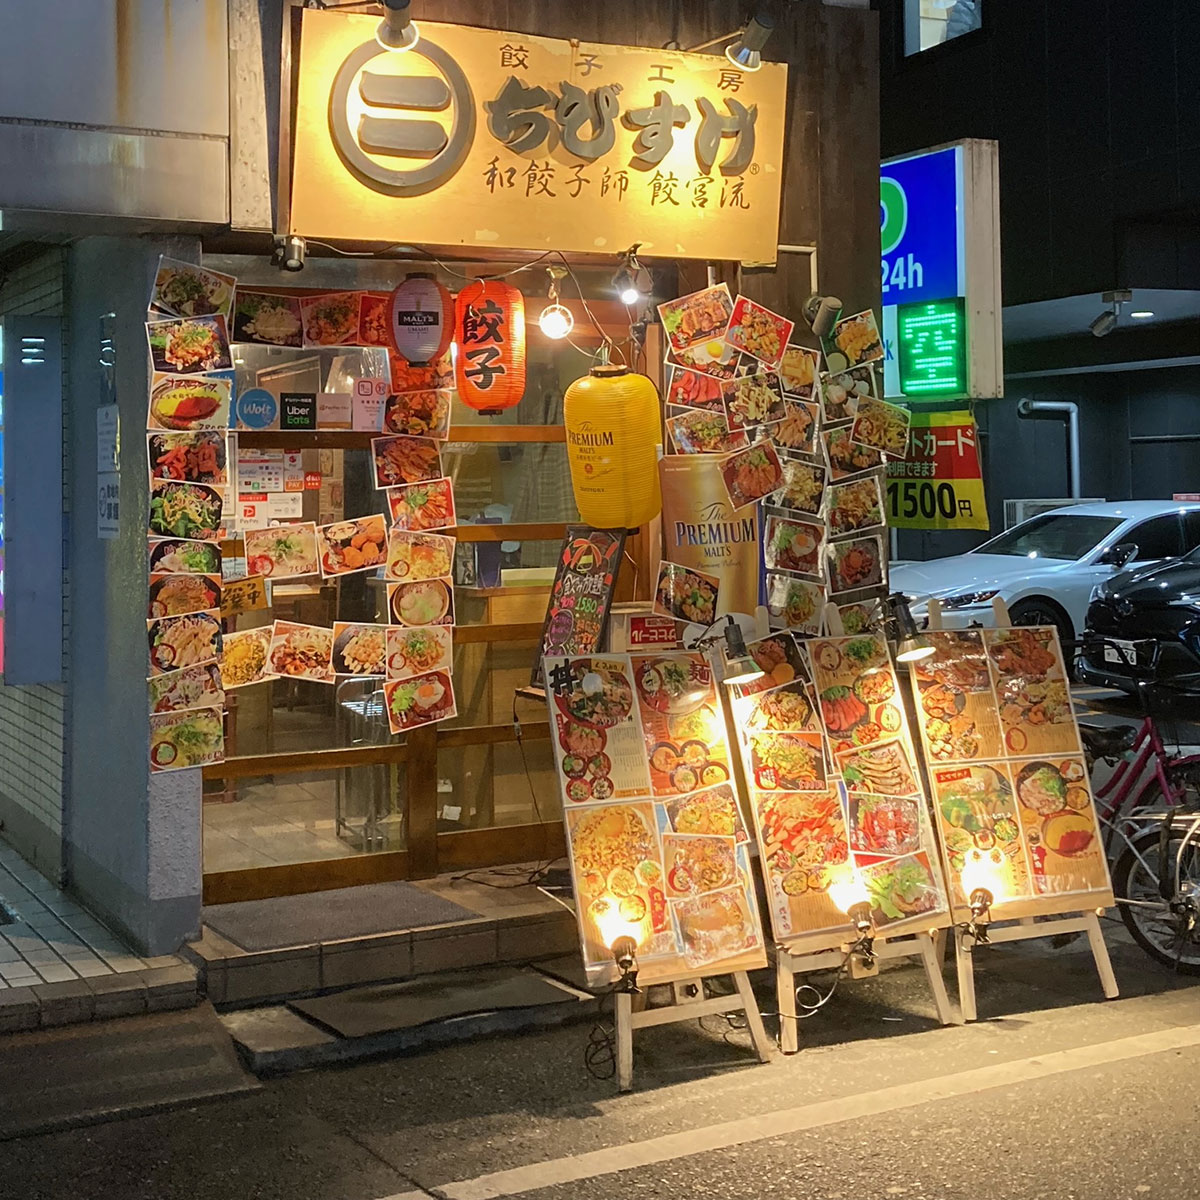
(613, 443)
(489, 328)
(420, 319)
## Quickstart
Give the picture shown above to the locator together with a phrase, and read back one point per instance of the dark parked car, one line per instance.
(1149, 619)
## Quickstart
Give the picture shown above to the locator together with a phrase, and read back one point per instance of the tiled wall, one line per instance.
(33, 719)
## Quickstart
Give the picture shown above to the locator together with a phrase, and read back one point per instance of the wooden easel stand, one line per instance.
(685, 1007)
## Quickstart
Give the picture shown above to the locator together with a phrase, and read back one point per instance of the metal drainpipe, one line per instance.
(1065, 408)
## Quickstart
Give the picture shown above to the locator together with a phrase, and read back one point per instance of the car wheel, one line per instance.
(1038, 610)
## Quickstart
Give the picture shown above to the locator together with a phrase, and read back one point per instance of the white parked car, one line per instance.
(1045, 568)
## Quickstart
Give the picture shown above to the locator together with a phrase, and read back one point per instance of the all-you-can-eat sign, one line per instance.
(480, 137)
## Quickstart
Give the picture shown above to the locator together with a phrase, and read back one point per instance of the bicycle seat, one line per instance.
(1107, 741)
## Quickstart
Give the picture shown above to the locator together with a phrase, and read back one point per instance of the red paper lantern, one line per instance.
(490, 331)
(420, 315)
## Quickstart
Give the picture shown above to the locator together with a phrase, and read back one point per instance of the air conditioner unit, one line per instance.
(1016, 511)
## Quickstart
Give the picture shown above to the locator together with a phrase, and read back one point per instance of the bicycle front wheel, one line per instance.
(1166, 929)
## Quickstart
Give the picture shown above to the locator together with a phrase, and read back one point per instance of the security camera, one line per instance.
(1105, 323)
(821, 313)
(289, 253)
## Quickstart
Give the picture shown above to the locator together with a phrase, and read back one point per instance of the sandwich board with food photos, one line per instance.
(1011, 794)
(655, 837)
(837, 805)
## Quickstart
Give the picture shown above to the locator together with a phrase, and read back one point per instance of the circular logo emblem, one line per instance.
(257, 409)
(893, 214)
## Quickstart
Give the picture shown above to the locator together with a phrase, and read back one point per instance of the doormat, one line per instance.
(329, 916)
(363, 1012)
(118, 1068)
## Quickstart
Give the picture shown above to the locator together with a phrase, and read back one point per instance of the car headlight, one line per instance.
(964, 599)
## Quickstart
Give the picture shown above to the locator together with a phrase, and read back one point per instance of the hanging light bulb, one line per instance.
(556, 321)
(632, 280)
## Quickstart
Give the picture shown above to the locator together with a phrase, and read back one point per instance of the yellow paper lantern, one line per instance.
(614, 440)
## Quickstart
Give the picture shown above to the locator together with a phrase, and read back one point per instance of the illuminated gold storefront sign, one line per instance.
(477, 137)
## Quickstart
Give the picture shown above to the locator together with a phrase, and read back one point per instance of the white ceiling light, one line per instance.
(1143, 314)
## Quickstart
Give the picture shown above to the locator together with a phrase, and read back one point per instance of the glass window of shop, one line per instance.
(929, 23)
(507, 469)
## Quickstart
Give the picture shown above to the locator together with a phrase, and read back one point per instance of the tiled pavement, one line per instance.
(58, 964)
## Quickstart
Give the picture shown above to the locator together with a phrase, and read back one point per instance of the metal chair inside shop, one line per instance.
(368, 812)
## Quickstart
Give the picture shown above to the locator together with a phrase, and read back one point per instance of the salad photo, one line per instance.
(302, 652)
(694, 389)
(419, 700)
(857, 337)
(405, 460)
(901, 888)
(698, 317)
(698, 431)
(427, 602)
(856, 564)
(359, 649)
(417, 651)
(421, 414)
(347, 546)
(685, 594)
(186, 739)
(283, 551)
(882, 426)
(799, 369)
(199, 457)
(184, 558)
(186, 290)
(192, 687)
(419, 506)
(758, 331)
(201, 402)
(244, 657)
(177, 642)
(751, 474)
(189, 347)
(177, 595)
(795, 604)
(185, 510)
(330, 320)
(792, 545)
(267, 319)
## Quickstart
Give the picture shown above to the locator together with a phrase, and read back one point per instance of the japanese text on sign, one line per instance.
(939, 485)
(482, 137)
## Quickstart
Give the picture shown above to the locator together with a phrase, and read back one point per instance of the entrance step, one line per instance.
(505, 925)
(402, 1018)
(81, 1074)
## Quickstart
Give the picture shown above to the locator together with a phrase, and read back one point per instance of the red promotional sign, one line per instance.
(939, 484)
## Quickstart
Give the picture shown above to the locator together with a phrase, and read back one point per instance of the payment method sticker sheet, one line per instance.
(654, 834)
(1009, 780)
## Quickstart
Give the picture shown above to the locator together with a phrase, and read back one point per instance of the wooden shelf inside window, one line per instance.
(358, 439)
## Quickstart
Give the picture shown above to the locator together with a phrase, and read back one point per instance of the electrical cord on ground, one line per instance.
(600, 1053)
(806, 1009)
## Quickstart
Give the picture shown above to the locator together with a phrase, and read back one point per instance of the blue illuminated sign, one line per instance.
(920, 220)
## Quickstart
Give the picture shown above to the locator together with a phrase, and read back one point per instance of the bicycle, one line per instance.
(1154, 852)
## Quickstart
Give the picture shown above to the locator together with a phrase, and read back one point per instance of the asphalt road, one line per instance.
(1053, 1093)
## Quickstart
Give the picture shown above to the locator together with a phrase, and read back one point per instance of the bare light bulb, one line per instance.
(556, 321)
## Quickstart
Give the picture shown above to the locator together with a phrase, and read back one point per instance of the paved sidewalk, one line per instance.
(58, 964)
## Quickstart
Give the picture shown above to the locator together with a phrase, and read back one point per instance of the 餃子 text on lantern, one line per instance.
(613, 443)
(420, 319)
(489, 329)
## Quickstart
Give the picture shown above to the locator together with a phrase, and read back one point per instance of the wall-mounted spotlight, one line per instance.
(1106, 322)
(746, 51)
(910, 645)
(850, 895)
(397, 31)
(289, 252)
(821, 313)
